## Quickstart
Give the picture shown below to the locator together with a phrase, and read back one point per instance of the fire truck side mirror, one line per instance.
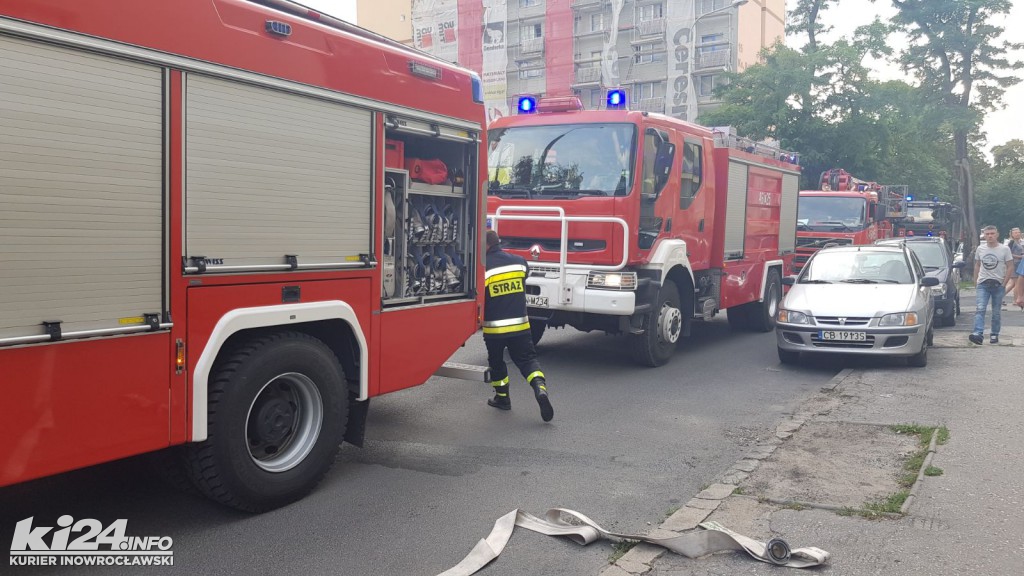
(879, 210)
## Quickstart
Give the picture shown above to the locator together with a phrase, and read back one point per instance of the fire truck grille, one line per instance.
(552, 244)
(822, 241)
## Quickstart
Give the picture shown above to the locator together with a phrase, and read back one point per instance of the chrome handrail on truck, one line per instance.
(565, 292)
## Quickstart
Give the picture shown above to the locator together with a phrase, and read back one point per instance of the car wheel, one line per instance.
(788, 356)
(662, 330)
(919, 360)
(949, 319)
(929, 337)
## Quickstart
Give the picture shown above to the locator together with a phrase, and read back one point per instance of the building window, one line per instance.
(651, 12)
(599, 22)
(645, 90)
(531, 31)
(706, 85)
(531, 69)
(705, 6)
(528, 3)
(647, 53)
(712, 38)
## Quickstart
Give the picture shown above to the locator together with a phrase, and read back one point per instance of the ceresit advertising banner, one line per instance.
(435, 26)
(495, 58)
(679, 90)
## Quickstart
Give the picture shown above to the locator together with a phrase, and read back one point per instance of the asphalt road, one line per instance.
(627, 446)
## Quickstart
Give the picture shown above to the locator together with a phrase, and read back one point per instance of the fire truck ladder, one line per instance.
(564, 291)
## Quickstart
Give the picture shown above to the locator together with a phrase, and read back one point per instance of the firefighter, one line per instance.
(506, 325)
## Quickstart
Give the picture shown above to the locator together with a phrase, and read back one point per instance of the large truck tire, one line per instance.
(278, 407)
(537, 328)
(762, 314)
(739, 317)
(663, 328)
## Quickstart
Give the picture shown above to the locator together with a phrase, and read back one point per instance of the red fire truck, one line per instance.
(216, 231)
(639, 224)
(846, 210)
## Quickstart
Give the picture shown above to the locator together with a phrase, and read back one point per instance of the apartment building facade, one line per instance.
(668, 54)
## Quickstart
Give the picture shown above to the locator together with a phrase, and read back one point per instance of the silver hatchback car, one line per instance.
(858, 300)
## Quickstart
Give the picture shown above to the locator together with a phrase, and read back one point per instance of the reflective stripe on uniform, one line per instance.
(507, 329)
(505, 276)
(504, 269)
(500, 383)
(537, 374)
(506, 322)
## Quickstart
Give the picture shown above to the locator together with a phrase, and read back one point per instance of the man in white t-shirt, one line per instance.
(992, 271)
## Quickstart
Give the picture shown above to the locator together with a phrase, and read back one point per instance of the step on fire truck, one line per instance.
(639, 224)
(215, 233)
(933, 218)
(846, 210)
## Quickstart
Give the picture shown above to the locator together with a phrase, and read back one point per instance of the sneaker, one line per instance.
(994, 339)
(976, 339)
(540, 391)
(500, 402)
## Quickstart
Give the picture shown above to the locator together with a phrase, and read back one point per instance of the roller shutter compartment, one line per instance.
(271, 174)
(81, 189)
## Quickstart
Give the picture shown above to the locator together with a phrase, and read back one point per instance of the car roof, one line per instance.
(895, 241)
(865, 248)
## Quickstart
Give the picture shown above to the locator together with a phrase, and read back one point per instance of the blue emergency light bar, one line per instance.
(527, 105)
(910, 197)
(616, 99)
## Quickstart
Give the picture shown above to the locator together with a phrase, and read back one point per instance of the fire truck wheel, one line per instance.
(788, 356)
(762, 314)
(537, 330)
(278, 407)
(739, 317)
(663, 328)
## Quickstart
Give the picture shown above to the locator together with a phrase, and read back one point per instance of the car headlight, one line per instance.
(939, 290)
(901, 319)
(793, 317)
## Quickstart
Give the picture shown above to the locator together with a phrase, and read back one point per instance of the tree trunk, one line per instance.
(965, 189)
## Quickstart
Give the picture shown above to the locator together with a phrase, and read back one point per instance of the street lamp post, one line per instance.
(692, 95)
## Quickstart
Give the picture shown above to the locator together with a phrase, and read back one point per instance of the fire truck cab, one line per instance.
(846, 210)
(639, 224)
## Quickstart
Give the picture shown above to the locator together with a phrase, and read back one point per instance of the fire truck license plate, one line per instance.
(842, 335)
(536, 301)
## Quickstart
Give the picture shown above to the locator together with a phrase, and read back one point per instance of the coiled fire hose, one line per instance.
(710, 537)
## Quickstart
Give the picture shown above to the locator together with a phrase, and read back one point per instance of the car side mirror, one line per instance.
(929, 281)
(880, 211)
(788, 280)
(959, 264)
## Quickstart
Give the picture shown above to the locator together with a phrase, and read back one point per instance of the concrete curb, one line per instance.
(920, 473)
(640, 559)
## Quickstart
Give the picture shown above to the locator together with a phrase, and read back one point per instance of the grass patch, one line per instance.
(933, 471)
(672, 511)
(794, 506)
(916, 460)
(620, 548)
(892, 504)
(739, 491)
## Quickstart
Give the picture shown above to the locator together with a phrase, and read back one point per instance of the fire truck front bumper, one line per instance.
(614, 297)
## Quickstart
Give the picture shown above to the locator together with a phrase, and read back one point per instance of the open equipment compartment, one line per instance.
(429, 210)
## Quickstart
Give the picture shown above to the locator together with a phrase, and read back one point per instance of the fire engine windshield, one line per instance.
(562, 161)
(920, 214)
(831, 213)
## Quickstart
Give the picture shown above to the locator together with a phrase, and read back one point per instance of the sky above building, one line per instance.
(1000, 126)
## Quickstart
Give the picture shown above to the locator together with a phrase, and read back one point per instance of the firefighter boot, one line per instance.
(501, 400)
(540, 390)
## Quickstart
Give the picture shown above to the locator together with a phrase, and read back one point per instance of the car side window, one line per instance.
(918, 269)
(693, 173)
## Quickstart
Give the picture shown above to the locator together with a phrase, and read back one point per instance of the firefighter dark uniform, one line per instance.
(506, 325)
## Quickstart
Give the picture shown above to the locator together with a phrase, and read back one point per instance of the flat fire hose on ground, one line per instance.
(710, 538)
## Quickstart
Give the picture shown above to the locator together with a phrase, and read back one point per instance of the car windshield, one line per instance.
(857, 267)
(931, 254)
(831, 213)
(920, 214)
(565, 160)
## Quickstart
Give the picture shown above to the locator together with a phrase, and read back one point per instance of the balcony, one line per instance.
(714, 59)
(654, 27)
(532, 45)
(588, 3)
(652, 105)
(589, 75)
(517, 11)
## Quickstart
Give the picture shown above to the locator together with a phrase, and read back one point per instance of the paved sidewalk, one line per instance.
(969, 520)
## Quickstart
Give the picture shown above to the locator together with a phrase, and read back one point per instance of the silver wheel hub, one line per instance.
(670, 324)
(284, 421)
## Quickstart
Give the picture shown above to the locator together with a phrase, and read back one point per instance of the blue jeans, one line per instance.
(984, 295)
